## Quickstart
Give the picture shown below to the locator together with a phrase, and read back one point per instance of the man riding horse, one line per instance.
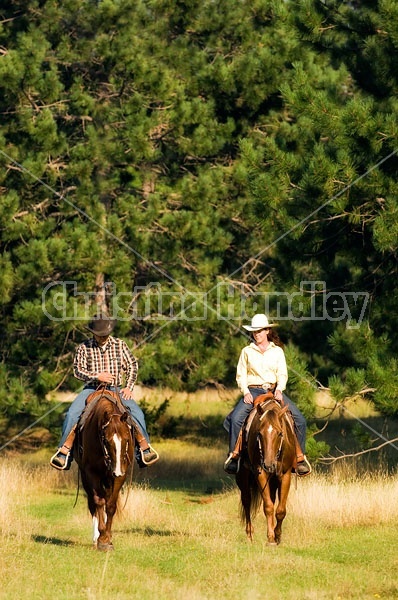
(103, 359)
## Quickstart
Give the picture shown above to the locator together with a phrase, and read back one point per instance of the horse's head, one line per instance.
(117, 442)
(270, 438)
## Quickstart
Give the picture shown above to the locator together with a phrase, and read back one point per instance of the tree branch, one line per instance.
(331, 459)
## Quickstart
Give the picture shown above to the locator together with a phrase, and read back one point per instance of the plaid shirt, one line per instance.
(115, 358)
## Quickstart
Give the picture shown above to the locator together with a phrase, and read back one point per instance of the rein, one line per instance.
(107, 458)
(278, 453)
(119, 404)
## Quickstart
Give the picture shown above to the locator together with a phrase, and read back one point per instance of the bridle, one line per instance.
(278, 454)
(103, 441)
(119, 404)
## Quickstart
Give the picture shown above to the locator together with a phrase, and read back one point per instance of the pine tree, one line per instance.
(327, 177)
(165, 147)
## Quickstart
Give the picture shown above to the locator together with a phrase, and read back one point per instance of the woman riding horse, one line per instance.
(262, 368)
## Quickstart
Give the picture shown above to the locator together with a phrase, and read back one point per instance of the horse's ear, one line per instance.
(257, 402)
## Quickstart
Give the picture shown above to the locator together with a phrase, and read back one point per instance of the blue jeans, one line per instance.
(77, 407)
(237, 416)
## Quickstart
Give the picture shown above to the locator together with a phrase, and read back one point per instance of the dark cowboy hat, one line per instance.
(101, 326)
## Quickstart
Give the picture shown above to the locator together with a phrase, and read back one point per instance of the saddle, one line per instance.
(92, 401)
(259, 408)
(104, 393)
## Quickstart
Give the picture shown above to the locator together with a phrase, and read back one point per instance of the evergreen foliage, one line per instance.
(218, 152)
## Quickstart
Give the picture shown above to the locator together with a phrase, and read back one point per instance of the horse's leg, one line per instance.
(96, 532)
(268, 491)
(103, 541)
(110, 508)
(92, 505)
(243, 482)
(96, 504)
(283, 492)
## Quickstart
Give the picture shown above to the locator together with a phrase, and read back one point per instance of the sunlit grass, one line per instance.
(339, 498)
(186, 540)
(178, 534)
(201, 402)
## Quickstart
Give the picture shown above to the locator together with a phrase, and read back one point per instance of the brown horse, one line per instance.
(103, 450)
(266, 466)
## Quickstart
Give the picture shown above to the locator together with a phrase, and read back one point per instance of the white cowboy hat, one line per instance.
(259, 322)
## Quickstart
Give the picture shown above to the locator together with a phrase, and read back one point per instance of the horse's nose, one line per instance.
(118, 472)
(270, 468)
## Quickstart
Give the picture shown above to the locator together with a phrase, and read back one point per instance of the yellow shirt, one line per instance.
(258, 368)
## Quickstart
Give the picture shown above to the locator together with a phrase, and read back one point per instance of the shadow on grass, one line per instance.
(151, 532)
(43, 539)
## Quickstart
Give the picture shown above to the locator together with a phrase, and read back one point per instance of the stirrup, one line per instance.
(228, 468)
(67, 464)
(152, 460)
(306, 462)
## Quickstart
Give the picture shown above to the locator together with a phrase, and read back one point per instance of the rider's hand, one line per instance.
(248, 398)
(127, 393)
(106, 377)
(279, 396)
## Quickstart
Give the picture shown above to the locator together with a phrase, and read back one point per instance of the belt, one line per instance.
(264, 386)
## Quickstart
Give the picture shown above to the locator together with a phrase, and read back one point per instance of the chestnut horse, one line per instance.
(103, 450)
(266, 464)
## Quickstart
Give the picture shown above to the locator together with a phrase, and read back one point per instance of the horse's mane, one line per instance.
(274, 414)
(100, 402)
(273, 417)
(271, 409)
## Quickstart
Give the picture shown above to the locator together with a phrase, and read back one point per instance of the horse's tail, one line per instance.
(253, 497)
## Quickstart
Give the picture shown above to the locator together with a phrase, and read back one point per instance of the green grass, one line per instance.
(179, 535)
(186, 541)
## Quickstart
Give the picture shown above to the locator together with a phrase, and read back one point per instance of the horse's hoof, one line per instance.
(273, 544)
(104, 547)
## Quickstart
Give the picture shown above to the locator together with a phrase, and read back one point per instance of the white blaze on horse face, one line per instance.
(270, 428)
(118, 447)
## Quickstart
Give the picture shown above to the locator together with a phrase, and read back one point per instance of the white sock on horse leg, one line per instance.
(96, 532)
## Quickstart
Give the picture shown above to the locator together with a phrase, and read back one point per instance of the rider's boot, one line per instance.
(62, 459)
(231, 465)
(302, 467)
(145, 454)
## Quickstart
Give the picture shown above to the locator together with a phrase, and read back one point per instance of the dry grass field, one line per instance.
(179, 536)
(182, 538)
